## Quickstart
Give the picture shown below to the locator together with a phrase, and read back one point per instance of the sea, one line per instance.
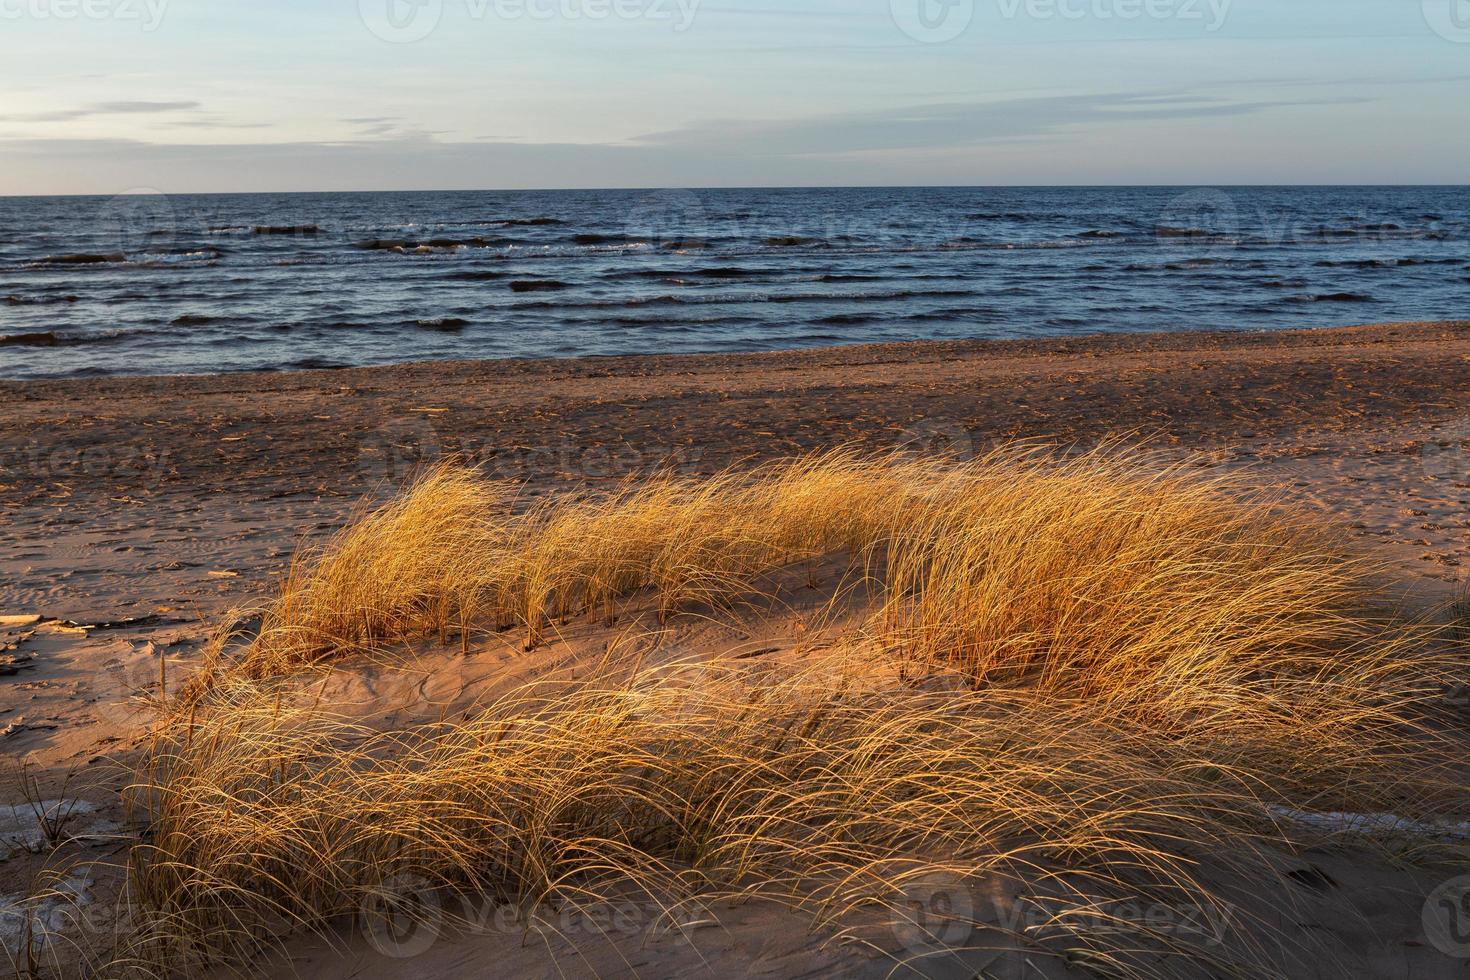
(152, 283)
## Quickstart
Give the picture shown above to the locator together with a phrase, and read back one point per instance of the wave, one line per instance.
(176, 257)
(443, 324)
(50, 338)
(526, 222)
(678, 275)
(1186, 265)
(709, 299)
(593, 238)
(405, 246)
(202, 252)
(13, 300)
(1172, 231)
(728, 272)
(41, 338)
(475, 275)
(969, 313)
(195, 320)
(286, 230)
(978, 245)
(82, 258)
(537, 285)
(1383, 263)
(1378, 232)
(1331, 298)
(315, 363)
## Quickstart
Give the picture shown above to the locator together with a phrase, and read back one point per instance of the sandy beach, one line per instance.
(128, 497)
(138, 511)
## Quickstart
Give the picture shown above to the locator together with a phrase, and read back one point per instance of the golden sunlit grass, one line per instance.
(1105, 672)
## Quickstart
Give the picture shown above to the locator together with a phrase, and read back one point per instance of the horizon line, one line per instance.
(149, 192)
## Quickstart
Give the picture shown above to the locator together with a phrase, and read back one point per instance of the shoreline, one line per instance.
(823, 355)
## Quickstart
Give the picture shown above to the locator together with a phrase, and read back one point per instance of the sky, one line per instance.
(121, 96)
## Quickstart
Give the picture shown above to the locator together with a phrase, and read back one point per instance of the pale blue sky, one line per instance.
(108, 96)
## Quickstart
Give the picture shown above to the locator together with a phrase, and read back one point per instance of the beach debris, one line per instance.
(11, 645)
(12, 664)
(72, 626)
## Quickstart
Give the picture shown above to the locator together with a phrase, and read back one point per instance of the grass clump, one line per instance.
(1095, 678)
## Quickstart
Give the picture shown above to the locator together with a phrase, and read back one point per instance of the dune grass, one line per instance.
(1097, 671)
(1012, 559)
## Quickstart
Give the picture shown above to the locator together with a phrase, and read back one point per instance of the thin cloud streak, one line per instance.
(130, 108)
(942, 125)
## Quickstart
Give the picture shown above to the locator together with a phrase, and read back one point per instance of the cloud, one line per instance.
(214, 122)
(390, 128)
(1104, 138)
(128, 108)
(958, 124)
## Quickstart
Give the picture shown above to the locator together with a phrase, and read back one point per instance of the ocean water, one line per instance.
(164, 284)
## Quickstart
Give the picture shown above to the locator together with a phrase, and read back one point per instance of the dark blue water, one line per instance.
(153, 284)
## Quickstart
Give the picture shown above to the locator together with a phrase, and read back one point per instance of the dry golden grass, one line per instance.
(1096, 670)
